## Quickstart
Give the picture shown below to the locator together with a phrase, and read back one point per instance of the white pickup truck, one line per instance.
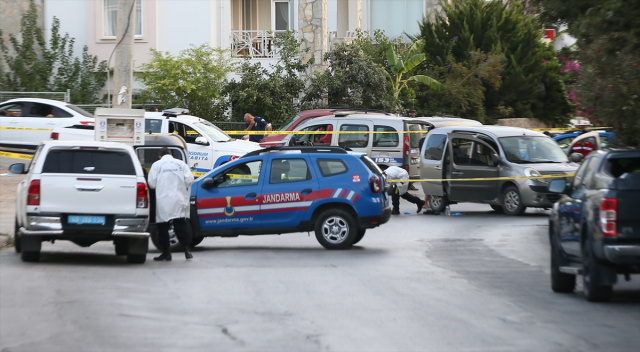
(208, 145)
(82, 192)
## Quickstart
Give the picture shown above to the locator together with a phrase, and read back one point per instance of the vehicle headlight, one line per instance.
(533, 172)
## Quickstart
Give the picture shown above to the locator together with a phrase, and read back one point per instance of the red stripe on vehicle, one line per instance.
(344, 193)
(356, 198)
(236, 201)
(325, 193)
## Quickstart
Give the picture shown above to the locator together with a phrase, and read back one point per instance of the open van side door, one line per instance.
(471, 158)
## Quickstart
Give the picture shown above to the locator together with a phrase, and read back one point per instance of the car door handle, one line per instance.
(250, 196)
(457, 173)
(306, 191)
(438, 168)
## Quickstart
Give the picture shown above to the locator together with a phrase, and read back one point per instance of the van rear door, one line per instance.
(471, 158)
(432, 165)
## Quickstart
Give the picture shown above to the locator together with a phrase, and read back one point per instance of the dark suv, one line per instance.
(594, 228)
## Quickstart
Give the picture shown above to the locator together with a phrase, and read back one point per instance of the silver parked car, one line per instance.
(488, 152)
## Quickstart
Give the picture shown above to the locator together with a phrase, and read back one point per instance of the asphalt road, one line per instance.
(477, 282)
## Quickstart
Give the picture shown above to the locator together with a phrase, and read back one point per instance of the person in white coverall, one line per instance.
(171, 178)
(399, 190)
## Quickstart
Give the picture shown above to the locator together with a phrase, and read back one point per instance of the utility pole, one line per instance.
(123, 66)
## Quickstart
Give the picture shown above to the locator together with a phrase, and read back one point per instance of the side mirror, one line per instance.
(17, 168)
(576, 157)
(202, 140)
(557, 186)
(208, 183)
(495, 159)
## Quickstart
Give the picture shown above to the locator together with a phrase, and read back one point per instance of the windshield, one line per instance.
(290, 122)
(216, 134)
(79, 110)
(527, 150)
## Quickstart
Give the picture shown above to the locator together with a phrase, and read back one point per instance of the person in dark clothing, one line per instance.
(400, 189)
(255, 123)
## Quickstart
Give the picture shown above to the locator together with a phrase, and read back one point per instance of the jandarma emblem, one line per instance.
(229, 210)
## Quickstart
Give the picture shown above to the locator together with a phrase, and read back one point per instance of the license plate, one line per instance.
(86, 219)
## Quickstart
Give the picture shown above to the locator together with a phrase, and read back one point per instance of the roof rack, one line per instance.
(281, 149)
(334, 109)
(174, 112)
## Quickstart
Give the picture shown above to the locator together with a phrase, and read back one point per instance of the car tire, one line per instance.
(136, 258)
(121, 246)
(512, 201)
(438, 203)
(195, 240)
(592, 291)
(17, 245)
(361, 233)
(497, 208)
(336, 229)
(30, 256)
(560, 282)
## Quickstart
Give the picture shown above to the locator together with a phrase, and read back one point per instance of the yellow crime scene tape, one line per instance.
(482, 179)
(25, 129)
(16, 155)
(385, 132)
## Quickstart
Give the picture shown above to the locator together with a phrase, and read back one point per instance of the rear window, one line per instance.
(88, 162)
(79, 110)
(331, 167)
(616, 167)
(390, 139)
(373, 167)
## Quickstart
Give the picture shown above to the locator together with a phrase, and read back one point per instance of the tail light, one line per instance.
(55, 135)
(375, 184)
(87, 123)
(405, 146)
(608, 216)
(143, 196)
(33, 198)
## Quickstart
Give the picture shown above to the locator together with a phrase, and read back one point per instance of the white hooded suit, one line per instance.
(171, 178)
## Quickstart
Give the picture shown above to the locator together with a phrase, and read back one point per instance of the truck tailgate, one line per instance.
(628, 195)
(83, 194)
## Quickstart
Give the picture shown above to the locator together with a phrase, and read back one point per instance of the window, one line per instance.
(321, 139)
(435, 146)
(385, 139)
(44, 110)
(354, 140)
(110, 18)
(281, 15)
(148, 156)
(414, 138)
(462, 151)
(154, 126)
(619, 166)
(247, 174)
(331, 167)
(481, 154)
(289, 170)
(13, 110)
(184, 131)
(88, 162)
(580, 174)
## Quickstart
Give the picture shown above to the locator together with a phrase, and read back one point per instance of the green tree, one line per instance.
(194, 79)
(501, 28)
(608, 83)
(270, 93)
(352, 79)
(399, 68)
(40, 67)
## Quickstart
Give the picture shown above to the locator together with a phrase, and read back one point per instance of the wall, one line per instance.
(73, 20)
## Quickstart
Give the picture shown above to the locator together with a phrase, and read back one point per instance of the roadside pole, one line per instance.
(123, 67)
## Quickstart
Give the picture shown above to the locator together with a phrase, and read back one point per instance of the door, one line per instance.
(570, 211)
(200, 155)
(415, 143)
(234, 202)
(471, 158)
(40, 119)
(355, 135)
(288, 192)
(11, 123)
(431, 163)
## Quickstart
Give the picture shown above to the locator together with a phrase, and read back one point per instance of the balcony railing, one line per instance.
(255, 44)
(334, 39)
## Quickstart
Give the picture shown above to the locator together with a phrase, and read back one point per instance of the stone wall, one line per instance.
(312, 27)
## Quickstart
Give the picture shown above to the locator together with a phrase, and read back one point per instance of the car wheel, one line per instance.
(497, 208)
(438, 203)
(361, 233)
(512, 202)
(17, 245)
(136, 258)
(592, 291)
(560, 282)
(122, 246)
(336, 229)
(196, 240)
(30, 256)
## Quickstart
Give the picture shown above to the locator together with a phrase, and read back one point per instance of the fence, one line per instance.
(59, 96)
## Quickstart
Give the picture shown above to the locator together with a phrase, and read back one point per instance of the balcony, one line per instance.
(255, 44)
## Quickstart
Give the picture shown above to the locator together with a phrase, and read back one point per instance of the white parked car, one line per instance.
(26, 122)
(208, 145)
(83, 192)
